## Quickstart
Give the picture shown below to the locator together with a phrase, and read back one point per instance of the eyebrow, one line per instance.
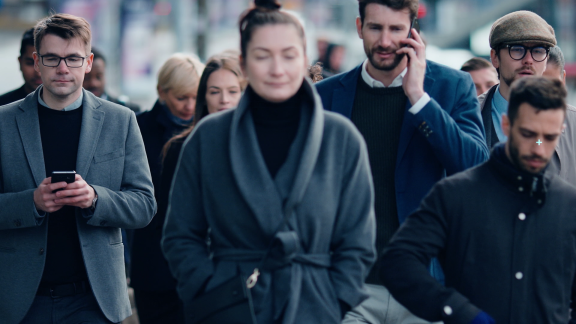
(268, 50)
(534, 133)
(54, 54)
(215, 87)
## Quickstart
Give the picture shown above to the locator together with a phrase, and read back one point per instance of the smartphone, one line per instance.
(63, 176)
(415, 25)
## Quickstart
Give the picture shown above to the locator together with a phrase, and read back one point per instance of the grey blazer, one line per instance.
(112, 159)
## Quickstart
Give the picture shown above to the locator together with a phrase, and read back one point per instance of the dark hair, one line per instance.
(27, 40)
(411, 5)
(475, 64)
(227, 60)
(65, 26)
(556, 57)
(98, 55)
(266, 12)
(539, 92)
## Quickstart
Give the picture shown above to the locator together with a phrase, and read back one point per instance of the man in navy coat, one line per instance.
(421, 122)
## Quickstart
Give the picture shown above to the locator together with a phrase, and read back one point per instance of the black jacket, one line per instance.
(13, 95)
(149, 269)
(505, 249)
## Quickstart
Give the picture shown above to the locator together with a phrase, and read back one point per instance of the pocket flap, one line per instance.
(109, 156)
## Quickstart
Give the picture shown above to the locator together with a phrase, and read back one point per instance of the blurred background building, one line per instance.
(136, 36)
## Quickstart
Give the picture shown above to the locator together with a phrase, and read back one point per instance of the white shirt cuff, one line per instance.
(421, 103)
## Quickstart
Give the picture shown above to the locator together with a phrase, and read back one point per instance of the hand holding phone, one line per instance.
(63, 176)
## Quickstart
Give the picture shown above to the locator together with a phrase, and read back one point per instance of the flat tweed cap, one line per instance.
(521, 27)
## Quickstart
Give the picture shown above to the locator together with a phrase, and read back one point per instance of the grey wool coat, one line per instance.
(112, 159)
(222, 184)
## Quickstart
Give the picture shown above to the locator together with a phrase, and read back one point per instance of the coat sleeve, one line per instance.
(353, 240)
(573, 303)
(457, 137)
(185, 229)
(134, 205)
(404, 264)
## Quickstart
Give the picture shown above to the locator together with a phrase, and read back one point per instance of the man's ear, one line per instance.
(564, 77)
(494, 59)
(89, 61)
(36, 62)
(506, 125)
(359, 27)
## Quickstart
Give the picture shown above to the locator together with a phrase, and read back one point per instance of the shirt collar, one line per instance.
(75, 105)
(373, 83)
(499, 102)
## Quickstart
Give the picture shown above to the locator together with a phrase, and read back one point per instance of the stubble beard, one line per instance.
(517, 160)
(382, 66)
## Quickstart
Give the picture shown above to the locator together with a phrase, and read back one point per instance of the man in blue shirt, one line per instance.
(520, 43)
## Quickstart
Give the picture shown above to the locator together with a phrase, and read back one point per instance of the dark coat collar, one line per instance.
(530, 186)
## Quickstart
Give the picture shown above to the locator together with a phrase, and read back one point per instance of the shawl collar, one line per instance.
(272, 199)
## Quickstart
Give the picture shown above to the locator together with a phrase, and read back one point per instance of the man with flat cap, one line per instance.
(520, 43)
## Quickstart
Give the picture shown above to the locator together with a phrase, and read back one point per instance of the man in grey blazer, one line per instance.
(61, 252)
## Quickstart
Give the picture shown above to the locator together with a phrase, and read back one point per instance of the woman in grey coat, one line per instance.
(279, 154)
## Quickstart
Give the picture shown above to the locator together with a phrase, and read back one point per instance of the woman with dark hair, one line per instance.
(277, 184)
(332, 63)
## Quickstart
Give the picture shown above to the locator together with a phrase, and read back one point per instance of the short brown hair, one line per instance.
(411, 5)
(475, 64)
(65, 26)
(539, 92)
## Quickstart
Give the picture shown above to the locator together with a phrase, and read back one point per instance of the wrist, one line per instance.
(415, 96)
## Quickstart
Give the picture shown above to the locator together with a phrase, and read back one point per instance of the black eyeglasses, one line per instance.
(54, 61)
(517, 52)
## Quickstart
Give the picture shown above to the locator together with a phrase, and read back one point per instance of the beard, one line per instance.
(509, 79)
(387, 65)
(517, 159)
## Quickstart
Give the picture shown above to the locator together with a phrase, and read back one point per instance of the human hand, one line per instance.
(413, 82)
(44, 197)
(77, 194)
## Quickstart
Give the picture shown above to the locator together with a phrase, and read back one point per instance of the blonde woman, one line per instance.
(154, 286)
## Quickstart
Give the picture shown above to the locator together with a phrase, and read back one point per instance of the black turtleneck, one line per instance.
(276, 127)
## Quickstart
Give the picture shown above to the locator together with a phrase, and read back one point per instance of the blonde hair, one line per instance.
(181, 74)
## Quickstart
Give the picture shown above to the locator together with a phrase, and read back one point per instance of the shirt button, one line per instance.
(521, 189)
(41, 251)
(522, 216)
(539, 201)
(519, 275)
(519, 178)
(448, 310)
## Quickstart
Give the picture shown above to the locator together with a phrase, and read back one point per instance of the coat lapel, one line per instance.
(308, 141)
(29, 129)
(343, 97)
(408, 129)
(250, 171)
(92, 120)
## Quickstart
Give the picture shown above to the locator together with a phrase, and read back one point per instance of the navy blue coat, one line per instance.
(445, 137)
